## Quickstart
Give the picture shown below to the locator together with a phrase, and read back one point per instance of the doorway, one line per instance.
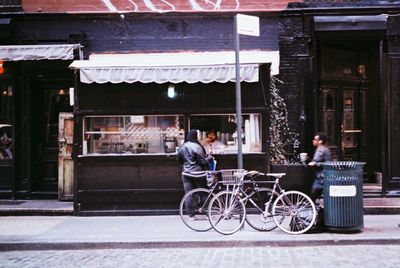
(49, 97)
(349, 101)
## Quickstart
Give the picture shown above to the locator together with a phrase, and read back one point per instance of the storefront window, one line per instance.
(6, 142)
(6, 117)
(224, 127)
(162, 134)
(136, 134)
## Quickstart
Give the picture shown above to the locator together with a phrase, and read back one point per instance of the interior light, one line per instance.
(1, 67)
(9, 91)
(171, 91)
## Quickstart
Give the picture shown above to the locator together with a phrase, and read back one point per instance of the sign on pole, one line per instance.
(246, 25)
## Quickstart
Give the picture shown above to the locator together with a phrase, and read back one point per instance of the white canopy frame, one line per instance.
(190, 67)
(39, 52)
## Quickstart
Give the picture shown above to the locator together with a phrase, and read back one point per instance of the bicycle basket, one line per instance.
(232, 176)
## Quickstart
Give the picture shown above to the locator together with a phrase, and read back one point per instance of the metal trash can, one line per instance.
(343, 196)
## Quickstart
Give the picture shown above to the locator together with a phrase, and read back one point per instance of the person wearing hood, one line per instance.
(194, 159)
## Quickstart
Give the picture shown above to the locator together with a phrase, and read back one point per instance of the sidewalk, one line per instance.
(74, 232)
(52, 224)
(372, 206)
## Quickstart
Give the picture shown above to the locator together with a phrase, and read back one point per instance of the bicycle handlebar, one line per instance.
(251, 173)
(257, 173)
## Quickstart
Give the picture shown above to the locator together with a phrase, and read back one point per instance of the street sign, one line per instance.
(248, 25)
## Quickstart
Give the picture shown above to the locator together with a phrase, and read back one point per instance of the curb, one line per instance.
(36, 212)
(51, 212)
(381, 210)
(18, 246)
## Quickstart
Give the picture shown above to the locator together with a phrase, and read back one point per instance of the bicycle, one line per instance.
(199, 199)
(293, 212)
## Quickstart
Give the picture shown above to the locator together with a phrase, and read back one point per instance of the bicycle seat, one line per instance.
(253, 173)
(276, 175)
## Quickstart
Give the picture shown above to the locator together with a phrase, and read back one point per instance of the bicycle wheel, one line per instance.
(226, 212)
(294, 212)
(257, 216)
(193, 209)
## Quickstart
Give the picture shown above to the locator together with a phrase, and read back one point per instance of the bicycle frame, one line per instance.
(277, 190)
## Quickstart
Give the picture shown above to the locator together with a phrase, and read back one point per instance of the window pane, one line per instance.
(136, 134)
(6, 119)
(224, 127)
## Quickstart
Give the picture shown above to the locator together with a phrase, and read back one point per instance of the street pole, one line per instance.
(238, 98)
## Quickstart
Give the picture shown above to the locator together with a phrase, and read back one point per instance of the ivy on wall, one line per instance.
(284, 144)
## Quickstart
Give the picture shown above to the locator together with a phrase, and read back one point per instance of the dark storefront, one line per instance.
(116, 169)
(346, 64)
(35, 87)
(126, 158)
(339, 63)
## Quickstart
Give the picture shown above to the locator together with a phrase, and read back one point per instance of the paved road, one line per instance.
(322, 256)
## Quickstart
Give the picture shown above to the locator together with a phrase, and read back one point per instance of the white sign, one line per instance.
(137, 119)
(346, 190)
(71, 96)
(248, 25)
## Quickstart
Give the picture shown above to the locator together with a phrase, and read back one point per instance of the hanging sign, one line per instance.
(248, 25)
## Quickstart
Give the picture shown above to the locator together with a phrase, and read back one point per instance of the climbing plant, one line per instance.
(284, 144)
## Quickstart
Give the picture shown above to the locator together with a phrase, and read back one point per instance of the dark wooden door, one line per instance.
(46, 105)
(343, 110)
(349, 101)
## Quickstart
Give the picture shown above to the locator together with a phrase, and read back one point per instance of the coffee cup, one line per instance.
(303, 157)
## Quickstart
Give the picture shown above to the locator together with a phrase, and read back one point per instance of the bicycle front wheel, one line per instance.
(226, 212)
(258, 216)
(294, 212)
(193, 209)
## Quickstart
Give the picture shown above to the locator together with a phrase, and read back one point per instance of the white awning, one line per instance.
(190, 67)
(38, 52)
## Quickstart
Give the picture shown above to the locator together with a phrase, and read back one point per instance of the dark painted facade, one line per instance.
(323, 59)
(321, 70)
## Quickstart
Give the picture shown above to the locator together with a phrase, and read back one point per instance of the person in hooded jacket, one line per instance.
(193, 157)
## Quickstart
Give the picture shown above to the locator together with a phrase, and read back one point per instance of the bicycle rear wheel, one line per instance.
(257, 215)
(194, 209)
(226, 212)
(294, 212)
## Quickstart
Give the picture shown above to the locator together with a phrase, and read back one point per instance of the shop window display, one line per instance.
(162, 134)
(136, 134)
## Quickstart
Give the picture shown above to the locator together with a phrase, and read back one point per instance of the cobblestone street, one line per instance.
(322, 256)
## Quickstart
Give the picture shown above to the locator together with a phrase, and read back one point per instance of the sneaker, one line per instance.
(193, 218)
(201, 217)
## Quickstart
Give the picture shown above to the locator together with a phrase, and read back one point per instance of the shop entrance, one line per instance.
(49, 97)
(343, 107)
(349, 101)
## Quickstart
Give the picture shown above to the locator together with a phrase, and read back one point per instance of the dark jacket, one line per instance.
(192, 154)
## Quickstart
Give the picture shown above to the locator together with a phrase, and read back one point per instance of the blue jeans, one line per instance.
(317, 188)
(190, 183)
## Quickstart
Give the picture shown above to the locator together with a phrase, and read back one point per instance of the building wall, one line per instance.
(298, 72)
(144, 33)
(392, 101)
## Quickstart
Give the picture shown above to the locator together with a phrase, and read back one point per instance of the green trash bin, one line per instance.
(343, 196)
